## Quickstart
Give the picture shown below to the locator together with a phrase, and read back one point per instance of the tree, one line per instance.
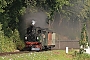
(51, 6)
(81, 9)
(84, 39)
(10, 12)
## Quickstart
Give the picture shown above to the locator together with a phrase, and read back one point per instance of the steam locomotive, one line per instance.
(37, 38)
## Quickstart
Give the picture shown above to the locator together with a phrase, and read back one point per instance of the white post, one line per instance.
(66, 49)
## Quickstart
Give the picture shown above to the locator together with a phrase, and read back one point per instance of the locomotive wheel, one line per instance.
(49, 48)
(26, 49)
(45, 48)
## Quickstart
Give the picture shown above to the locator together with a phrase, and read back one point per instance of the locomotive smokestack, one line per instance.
(33, 22)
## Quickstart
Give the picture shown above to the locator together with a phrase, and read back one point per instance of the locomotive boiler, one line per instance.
(37, 38)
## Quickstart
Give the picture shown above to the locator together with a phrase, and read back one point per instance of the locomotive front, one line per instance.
(32, 37)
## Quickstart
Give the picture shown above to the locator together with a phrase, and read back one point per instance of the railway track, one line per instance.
(9, 53)
(19, 52)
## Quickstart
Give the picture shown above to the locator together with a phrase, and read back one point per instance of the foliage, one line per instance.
(84, 37)
(82, 57)
(51, 6)
(7, 44)
(1, 36)
(16, 39)
(12, 10)
(80, 10)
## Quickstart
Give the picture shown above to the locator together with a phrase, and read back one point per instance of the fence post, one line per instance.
(66, 50)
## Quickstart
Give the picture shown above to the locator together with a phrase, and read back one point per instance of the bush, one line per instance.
(6, 44)
(16, 39)
(1, 37)
(9, 44)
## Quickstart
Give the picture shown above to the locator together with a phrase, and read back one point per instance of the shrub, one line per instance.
(16, 39)
(1, 37)
(6, 44)
(9, 44)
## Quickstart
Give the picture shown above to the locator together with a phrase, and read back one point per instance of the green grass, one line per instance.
(82, 57)
(46, 55)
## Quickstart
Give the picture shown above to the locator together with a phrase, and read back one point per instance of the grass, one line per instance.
(82, 57)
(46, 55)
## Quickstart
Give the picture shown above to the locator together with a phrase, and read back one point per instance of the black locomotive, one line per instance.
(37, 38)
